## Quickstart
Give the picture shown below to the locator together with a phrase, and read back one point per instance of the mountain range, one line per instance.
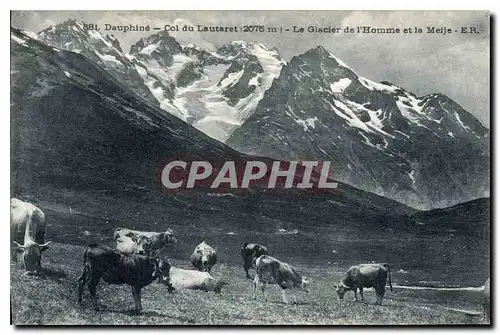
(425, 152)
(215, 91)
(76, 127)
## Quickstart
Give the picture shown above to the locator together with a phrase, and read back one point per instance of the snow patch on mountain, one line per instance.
(340, 62)
(411, 110)
(374, 86)
(347, 114)
(109, 59)
(308, 123)
(459, 120)
(341, 85)
(149, 49)
(17, 40)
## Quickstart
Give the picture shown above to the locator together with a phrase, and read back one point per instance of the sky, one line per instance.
(456, 64)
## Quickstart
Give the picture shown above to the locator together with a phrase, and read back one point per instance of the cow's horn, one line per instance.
(18, 245)
(45, 245)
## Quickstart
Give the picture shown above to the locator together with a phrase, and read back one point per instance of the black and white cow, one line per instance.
(250, 252)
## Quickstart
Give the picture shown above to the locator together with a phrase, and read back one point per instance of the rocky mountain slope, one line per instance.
(75, 127)
(215, 91)
(426, 152)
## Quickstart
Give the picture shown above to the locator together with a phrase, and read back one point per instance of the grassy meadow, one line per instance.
(322, 253)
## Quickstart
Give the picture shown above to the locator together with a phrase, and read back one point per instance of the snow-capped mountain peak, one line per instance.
(213, 90)
(380, 137)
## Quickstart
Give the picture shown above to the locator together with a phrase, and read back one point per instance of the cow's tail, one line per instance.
(390, 275)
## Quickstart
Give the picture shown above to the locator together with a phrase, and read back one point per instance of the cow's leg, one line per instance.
(255, 284)
(263, 288)
(361, 294)
(247, 266)
(82, 280)
(283, 294)
(93, 282)
(380, 293)
(136, 292)
(355, 293)
(13, 254)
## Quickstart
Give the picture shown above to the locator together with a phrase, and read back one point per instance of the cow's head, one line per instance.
(205, 255)
(32, 254)
(161, 271)
(304, 284)
(143, 245)
(341, 289)
(169, 237)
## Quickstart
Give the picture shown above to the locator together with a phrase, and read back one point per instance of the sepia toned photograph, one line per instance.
(250, 168)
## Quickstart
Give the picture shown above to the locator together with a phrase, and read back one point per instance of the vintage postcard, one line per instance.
(250, 168)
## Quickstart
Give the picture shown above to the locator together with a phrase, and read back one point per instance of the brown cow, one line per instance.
(118, 268)
(365, 275)
(272, 271)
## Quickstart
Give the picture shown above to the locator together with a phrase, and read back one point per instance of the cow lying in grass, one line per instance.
(194, 280)
(119, 268)
(365, 275)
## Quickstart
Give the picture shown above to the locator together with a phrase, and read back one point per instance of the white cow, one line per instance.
(27, 229)
(194, 280)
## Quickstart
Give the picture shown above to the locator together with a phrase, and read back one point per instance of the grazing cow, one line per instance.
(272, 271)
(120, 268)
(486, 299)
(141, 242)
(27, 229)
(203, 257)
(194, 280)
(365, 275)
(250, 252)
